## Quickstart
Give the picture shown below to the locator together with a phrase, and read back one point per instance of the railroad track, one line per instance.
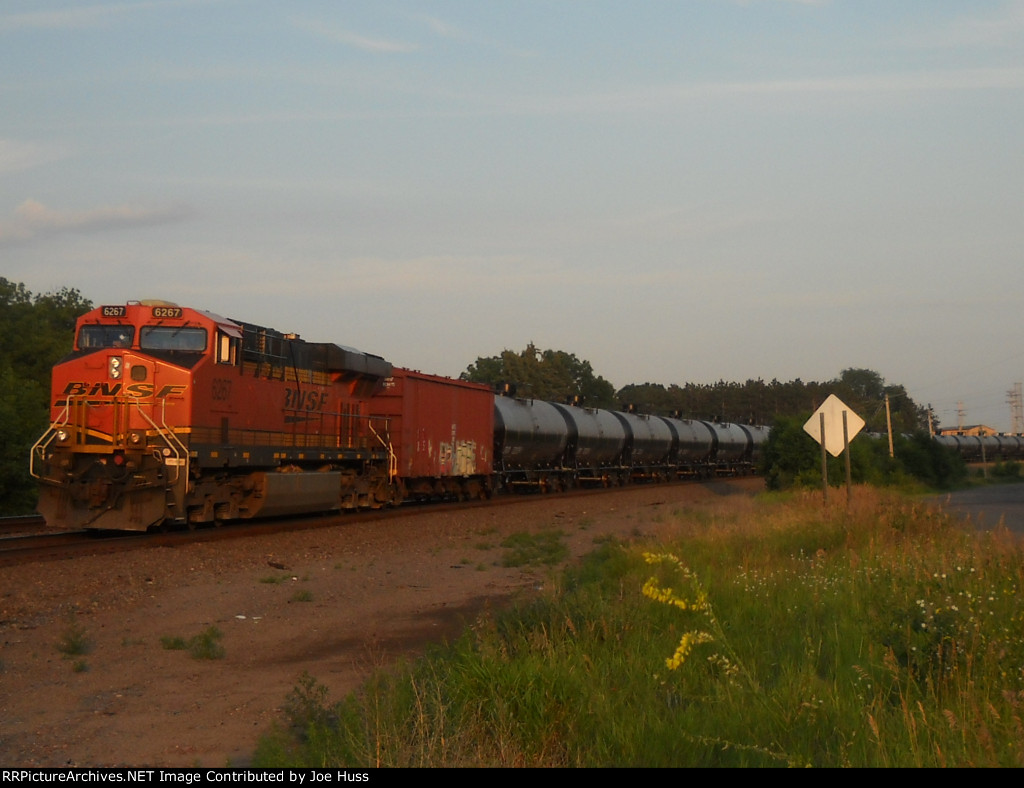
(29, 542)
(22, 524)
(30, 548)
(44, 547)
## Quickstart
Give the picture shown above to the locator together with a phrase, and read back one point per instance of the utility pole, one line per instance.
(1016, 408)
(888, 423)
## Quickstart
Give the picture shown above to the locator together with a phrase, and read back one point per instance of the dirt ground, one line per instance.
(337, 603)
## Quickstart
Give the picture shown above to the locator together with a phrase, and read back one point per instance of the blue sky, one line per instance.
(685, 191)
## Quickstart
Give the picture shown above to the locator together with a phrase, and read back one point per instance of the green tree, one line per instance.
(862, 384)
(758, 402)
(866, 392)
(652, 398)
(927, 460)
(36, 331)
(549, 375)
(792, 458)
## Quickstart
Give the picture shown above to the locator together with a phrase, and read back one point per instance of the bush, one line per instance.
(792, 458)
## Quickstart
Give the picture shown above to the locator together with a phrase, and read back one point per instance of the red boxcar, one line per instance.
(442, 433)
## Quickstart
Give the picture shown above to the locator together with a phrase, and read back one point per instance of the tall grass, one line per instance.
(771, 633)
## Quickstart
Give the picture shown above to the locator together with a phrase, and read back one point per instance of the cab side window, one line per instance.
(227, 349)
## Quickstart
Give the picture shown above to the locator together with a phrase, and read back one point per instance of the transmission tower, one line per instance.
(1016, 408)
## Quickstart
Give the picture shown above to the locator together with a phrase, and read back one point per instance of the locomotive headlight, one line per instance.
(62, 436)
(114, 367)
(135, 438)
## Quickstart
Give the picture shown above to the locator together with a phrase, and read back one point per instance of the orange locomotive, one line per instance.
(163, 414)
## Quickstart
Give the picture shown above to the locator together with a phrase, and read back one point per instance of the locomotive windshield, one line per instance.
(173, 338)
(95, 336)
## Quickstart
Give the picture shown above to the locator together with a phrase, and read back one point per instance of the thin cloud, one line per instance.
(32, 220)
(364, 43)
(443, 29)
(16, 155)
(1001, 28)
(791, 2)
(450, 32)
(87, 16)
(935, 80)
(660, 98)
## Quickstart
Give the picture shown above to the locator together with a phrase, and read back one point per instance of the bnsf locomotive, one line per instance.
(168, 415)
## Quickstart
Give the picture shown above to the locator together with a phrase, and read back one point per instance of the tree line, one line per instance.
(561, 377)
(36, 331)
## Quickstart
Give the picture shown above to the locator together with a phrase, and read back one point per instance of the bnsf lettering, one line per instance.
(103, 389)
(94, 390)
(294, 399)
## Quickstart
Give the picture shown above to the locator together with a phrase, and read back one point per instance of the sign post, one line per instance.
(834, 425)
(824, 461)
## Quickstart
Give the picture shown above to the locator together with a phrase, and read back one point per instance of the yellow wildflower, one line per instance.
(686, 644)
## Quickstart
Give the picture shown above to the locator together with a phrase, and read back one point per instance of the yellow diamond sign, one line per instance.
(833, 409)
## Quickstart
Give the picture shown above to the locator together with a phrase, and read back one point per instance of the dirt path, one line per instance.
(336, 603)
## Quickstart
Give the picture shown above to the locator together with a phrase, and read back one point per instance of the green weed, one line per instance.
(526, 549)
(74, 641)
(205, 645)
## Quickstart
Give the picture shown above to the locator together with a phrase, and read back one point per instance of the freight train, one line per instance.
(163, 415)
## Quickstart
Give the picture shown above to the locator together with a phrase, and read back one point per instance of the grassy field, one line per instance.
(766, 632)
